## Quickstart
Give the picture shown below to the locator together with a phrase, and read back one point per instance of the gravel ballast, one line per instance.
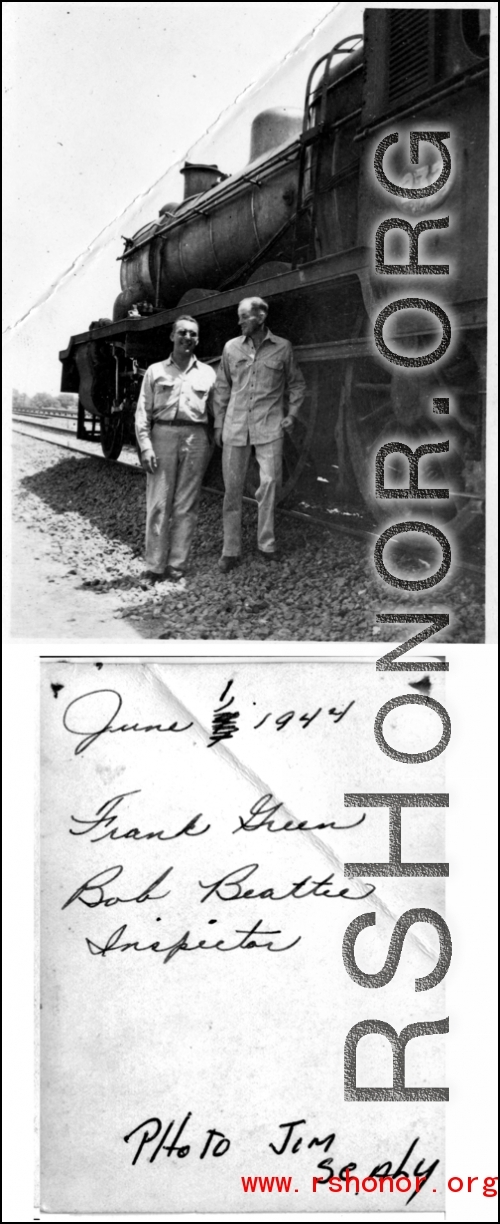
(325, 587)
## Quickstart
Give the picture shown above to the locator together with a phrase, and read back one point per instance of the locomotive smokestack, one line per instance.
(199, 178)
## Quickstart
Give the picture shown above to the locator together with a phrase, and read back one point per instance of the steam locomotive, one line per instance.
(296, 226)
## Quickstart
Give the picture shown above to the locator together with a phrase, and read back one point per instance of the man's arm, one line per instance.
(210, 409)
(222, 395)
(295, 384)
(295, 387)
(143, 422)
(211, 395)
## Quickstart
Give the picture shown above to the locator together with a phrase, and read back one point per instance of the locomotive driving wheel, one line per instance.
(111, 434)
(390, 411)
(104, 401)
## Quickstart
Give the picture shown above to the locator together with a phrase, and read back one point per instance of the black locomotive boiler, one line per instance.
(296, 226)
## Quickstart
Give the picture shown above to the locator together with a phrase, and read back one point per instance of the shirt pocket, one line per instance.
(273, 372)
(239, 368)
(164, 390)
(200, 386)
(197, 393)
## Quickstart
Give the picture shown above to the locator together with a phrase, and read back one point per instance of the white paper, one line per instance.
(243, 1041)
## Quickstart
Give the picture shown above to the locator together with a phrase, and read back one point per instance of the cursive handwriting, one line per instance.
(217, 1143)
(224, 721)
(153, 1136)
(181, 945)
(105, 820)
(261, 817)
(230, 888)
(90, 712)
(292, 1140)
(98, 883)
(305, 719)
(101, 707)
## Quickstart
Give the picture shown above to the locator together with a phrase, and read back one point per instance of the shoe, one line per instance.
(228, 563)
(152, 576)
(173, 575)
(269, 556)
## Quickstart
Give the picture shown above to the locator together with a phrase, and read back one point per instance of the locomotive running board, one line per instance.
(319, 271)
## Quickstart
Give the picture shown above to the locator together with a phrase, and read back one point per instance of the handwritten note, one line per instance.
(195, 998)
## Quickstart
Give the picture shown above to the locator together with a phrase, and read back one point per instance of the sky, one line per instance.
(103, 104)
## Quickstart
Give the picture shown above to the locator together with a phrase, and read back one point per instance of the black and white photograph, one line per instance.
(275, 353)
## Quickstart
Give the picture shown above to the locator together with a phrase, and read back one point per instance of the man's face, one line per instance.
(185, 337)
(249, 319)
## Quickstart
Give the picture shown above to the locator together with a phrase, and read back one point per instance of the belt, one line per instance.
(190, 424)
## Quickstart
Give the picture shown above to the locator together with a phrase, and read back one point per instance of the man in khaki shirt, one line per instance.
(171, 425)
(256, 376)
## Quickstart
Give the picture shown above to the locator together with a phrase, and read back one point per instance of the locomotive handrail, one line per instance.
(224, 191)
(247, 178)
(309, 134)
(204, 210)
(338, 49)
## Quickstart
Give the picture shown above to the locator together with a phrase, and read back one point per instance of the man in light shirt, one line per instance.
(258, 393)
(171, 425)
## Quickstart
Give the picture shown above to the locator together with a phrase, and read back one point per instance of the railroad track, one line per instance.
(67, 439)
(41, 413)
(43, 421)
(59, 435)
